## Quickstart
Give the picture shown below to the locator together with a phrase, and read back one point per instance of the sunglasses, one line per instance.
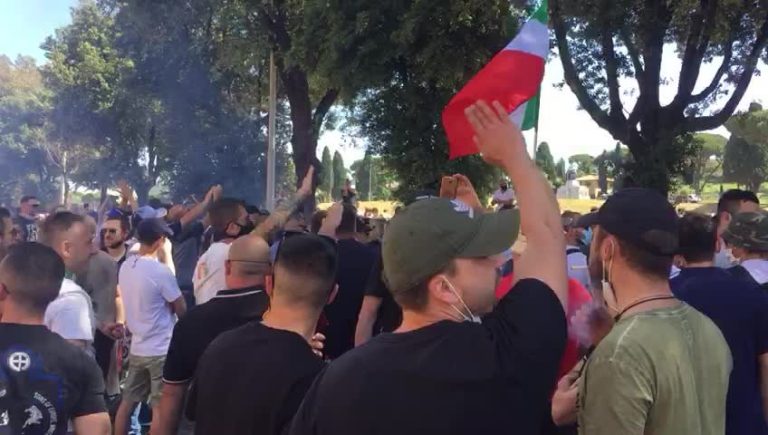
(108, 231)
(35, 205)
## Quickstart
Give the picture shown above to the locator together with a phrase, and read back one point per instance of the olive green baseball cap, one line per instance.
(428, 234)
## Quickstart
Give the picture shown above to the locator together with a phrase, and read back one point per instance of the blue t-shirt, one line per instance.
(740, 310)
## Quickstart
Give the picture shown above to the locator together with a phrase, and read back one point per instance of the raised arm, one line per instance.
(279, 216)
(501, 144)
(202, 207)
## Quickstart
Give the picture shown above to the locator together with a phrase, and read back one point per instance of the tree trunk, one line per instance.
(103, 193)
(142, 193)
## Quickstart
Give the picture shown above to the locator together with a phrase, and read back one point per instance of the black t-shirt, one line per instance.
(186, 251)
(447, 378)
(44, 381)
(251, 380)
(355, 263)
(29, 230)
(192, 334)
(389, 315)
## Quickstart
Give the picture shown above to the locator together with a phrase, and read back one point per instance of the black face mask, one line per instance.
(503, 188)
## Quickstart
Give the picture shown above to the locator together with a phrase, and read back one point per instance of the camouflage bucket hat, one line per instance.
(748, 231)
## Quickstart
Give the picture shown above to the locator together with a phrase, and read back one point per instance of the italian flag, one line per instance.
(513, 77)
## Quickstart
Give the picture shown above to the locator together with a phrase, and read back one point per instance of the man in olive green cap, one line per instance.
(747, 236)
(458, 364)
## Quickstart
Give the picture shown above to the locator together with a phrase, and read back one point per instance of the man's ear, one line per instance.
(680, 262)
(269, 282)
(227, 268)
(438, 289)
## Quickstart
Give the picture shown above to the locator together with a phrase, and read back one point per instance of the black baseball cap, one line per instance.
(150, 230)
(642, 217)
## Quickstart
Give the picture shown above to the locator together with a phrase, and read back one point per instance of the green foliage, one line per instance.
(601, 43)
(326, 175)
(407, 60)
(560, 169)
(706, 160)
(546, 162)
(584, 162)
(373, 180)
(746, 153)
(339, 175)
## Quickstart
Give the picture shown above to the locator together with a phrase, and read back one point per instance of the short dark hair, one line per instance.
(26, 198)
(58, 223)
(730, 200)
(416, 297)
(313, 258)
(33, 274)
(317, 221)
(697, 238)
(223, 212)
(124, 224)
(348, 219)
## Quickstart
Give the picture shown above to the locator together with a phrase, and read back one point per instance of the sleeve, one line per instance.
(179, 367)
(528, 329)
(71, 319)
(375, 285)
(614, 398)
(91, 400)
(169, 287)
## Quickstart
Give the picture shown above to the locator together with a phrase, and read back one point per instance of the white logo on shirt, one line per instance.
(34, 416)
(19, 361)
(4, 419)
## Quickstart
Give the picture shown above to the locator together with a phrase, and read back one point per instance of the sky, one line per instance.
(24, 25)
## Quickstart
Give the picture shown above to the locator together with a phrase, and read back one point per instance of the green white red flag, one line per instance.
(513, 77)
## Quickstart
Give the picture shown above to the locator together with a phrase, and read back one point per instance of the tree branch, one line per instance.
(572, 76)
(322, 109)
(611, 67)
(698, 39)
(634, 55)
(716, 120)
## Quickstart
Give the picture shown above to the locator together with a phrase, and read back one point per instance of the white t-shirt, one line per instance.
(167, 254)
(507, 195)
(577, 265)
(71, 314)
(147, 287)
(758, 269)
(209, 275)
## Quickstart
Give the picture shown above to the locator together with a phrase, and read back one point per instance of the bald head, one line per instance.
(248, 262)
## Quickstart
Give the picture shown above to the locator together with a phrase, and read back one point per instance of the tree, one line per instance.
(546, 162)
(339, 175)
(745, 163)
(601, 42)
(746, 153)
(373, 179)
(394, 54)
(326, 175)
(584, 162)
(611, 165)
(560, 169)
(707, 159)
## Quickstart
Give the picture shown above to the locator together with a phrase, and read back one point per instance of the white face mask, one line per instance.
(471, 317)
(609, 295)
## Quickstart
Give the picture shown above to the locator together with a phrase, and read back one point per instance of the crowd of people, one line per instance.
(218, 318)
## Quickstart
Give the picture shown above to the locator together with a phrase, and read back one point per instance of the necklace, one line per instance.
(642, 301)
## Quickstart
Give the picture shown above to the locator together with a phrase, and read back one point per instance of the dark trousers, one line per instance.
(102, 346)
